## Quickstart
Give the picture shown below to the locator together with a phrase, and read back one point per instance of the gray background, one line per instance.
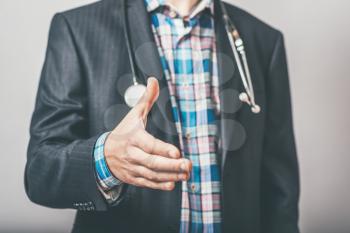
(317, 38)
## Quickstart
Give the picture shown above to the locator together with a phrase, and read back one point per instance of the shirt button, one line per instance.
(188, 135)
(194, 188)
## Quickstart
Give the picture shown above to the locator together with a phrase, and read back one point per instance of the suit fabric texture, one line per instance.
(80, 96)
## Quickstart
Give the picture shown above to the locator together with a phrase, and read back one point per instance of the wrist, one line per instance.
(105, 177)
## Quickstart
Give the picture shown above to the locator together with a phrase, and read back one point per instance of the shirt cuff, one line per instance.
(113, 195)
(105, 179)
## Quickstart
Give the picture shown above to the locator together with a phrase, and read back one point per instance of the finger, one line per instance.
(140, 171)
(149, 98)
(152, 145)
(142, 182)
(158, 163)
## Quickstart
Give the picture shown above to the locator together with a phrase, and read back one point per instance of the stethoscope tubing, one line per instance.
(128, 43)
(236, 44)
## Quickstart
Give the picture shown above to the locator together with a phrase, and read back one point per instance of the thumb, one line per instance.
(143, 107)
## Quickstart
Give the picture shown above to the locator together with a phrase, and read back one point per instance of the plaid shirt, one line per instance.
(188, 56)
(187, 51)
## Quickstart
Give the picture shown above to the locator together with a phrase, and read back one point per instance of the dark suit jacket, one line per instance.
(80, 96)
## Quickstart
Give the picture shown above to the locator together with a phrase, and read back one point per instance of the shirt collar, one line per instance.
(152, 5)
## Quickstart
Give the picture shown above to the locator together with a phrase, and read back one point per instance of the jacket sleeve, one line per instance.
(280, 175)
(59, 170)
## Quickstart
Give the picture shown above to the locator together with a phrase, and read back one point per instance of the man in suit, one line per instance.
(189, 157)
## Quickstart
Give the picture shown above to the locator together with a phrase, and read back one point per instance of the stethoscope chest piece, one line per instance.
(133, 94)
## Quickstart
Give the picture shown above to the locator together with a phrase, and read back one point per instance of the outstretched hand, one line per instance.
(136, 157)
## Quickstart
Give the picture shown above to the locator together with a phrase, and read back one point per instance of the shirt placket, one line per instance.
(183, 34)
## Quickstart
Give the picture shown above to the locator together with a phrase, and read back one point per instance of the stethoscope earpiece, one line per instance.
(256, 109)
(245, 99)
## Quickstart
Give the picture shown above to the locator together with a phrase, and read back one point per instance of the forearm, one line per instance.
(61, 175)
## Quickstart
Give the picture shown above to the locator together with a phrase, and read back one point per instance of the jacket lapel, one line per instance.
(142, 39)
(148, 64)
(232, 134)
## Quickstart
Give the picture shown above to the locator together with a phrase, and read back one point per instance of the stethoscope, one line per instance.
(135, 91)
